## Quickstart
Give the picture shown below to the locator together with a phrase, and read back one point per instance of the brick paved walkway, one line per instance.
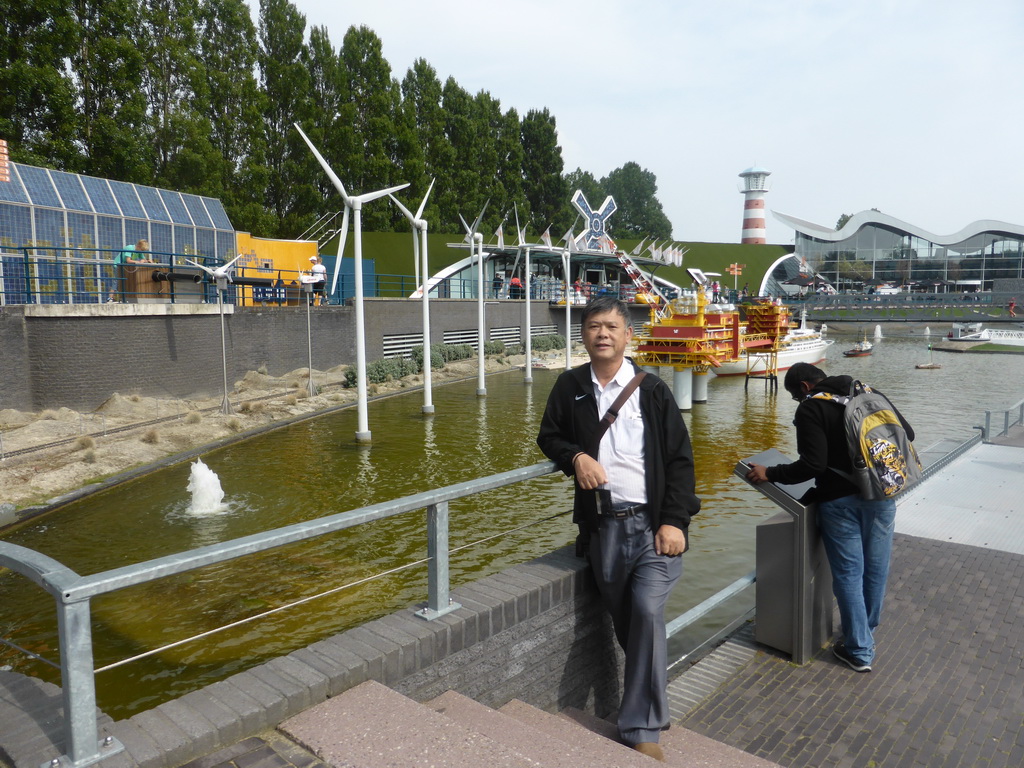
(947, 690)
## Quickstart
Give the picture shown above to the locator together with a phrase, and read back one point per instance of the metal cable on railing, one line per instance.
(310, 598)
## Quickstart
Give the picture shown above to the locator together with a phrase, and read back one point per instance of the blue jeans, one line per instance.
(857, 535)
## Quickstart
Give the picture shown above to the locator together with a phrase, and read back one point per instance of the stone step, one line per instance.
(371, 726)
(682, 748)
(598, 748)
(543, 748)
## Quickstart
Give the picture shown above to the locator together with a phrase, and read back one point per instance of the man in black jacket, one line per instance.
(634, 496)
(856, 532)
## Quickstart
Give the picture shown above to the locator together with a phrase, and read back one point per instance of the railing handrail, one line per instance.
(85, 587)
(72, 592)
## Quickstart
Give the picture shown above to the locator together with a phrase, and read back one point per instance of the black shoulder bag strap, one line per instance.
(583, 539)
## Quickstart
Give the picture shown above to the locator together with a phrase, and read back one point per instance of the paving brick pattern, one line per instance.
(947, 690)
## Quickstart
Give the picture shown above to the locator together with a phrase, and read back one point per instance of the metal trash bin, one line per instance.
(793, 602)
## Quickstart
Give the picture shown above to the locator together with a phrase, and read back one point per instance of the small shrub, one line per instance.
(291, 400)
(83, 442)
(151, 437)
(234, 424)
(89, 457)
(515, 349)
(135, 398)
(494, 347)
(48, 415)
(193, 417)
(549, 341)
(251, 407)
(262, 370)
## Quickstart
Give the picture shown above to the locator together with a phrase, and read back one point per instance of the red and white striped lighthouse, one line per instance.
(754, 188)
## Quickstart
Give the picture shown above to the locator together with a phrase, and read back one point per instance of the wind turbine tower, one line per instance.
(755, 185)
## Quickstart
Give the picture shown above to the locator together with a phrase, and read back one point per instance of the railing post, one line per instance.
(82, 745)
(438, 601)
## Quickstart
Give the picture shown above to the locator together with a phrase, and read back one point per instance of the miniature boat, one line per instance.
(860, 349)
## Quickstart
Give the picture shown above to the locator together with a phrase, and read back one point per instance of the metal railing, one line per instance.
(1010, 417)
(72, 592)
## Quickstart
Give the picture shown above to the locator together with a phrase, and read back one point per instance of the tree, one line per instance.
(639, 212)
(237, 173)
(841, 222)
(546, 190)
(424, 116)
(462, 194)
(510, 167)
(371, 104)
(588, 185)
(37, 101)
(108, 66)
(285, 81)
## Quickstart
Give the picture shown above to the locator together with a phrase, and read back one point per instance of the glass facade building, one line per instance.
(873, 248)
(57, 226)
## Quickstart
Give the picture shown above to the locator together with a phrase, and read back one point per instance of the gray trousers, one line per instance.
(635, 583)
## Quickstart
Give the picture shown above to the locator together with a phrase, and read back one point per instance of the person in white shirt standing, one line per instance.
(635, 494)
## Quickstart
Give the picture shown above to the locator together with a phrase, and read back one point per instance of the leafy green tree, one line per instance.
(228, 51)
(639, 211)
(462, 195)
(323, 124)
(546, 189)
(108, 67)
(284, 79)
(371, 106)
(37, 97)
(489, 119)
(510, 168)
(841, 222)
(586, 183)
(424, 115)
(177, 94)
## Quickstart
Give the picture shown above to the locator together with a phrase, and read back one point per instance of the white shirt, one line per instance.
(622, 447)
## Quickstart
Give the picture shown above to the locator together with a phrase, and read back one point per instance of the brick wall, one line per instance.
(15, 389)
(80, 360)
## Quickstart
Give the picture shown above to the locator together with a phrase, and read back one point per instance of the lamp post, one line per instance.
(307, 288)
(221, 281)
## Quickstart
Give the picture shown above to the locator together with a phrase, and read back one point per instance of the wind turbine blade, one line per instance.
(228, 265)
(423, 204)
(368, 196)
(341, 250)
(201, 266)
(327, 169)
(403, 209)
(476, 224)
(469, 232)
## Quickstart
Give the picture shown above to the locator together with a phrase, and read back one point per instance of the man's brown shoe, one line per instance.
(651, 749)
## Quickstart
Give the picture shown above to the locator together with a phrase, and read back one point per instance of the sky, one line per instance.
(912, 107)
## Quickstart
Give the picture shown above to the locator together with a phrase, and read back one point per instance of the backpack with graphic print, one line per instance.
(885, 463)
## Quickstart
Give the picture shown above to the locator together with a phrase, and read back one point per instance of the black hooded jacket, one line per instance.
(821, 444)
(570, 423)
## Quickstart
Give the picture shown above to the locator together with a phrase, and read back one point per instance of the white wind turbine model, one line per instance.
(221, 277)
(567, 253)
(419, 247)
(476, 239)
(355, 202)
(521, 240)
